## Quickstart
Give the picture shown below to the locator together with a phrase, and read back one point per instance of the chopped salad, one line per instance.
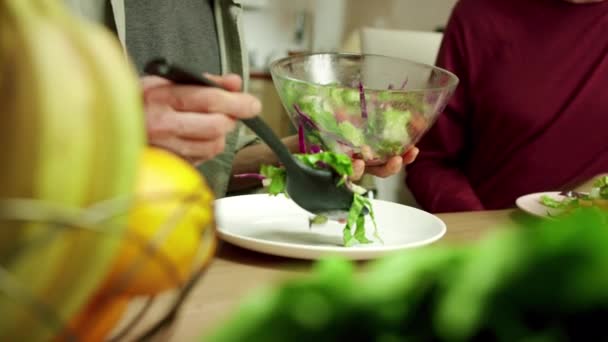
(367, 124)
(274, 180)
(598, 196)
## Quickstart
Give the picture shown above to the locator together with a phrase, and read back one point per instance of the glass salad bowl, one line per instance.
(367, 106)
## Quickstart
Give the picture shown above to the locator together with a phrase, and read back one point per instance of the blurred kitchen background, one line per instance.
(275, 28)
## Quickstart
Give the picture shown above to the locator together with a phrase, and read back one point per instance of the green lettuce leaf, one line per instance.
(356, 220)
(601, 182)
(351, 133)
(351, 96)
(340, 163)
(551, 202)
(277, 177)
(395, 125)
(390, 147)
(354, 230)
(319, 219)
(319, 111)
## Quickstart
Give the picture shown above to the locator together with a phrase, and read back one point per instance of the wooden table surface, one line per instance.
(236, 273)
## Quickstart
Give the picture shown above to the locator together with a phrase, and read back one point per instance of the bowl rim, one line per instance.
(452, 83)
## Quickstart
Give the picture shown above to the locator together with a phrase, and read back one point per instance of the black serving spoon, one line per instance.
(312, 189)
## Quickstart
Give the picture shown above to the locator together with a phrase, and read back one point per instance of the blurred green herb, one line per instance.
(544, 280)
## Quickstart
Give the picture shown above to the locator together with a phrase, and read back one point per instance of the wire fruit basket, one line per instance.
(54, 262)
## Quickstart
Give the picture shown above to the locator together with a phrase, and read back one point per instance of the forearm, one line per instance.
(438, 188)
(249, 160)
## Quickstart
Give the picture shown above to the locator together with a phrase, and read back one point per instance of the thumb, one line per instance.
(358, 169)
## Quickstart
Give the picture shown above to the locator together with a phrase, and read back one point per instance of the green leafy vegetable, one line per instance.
(574, 199)
(356, 219)
(340, 163)
(541, 280)
(345, 119)
(319, 219)
(602, 185)
(396, 125)
(277, 179)
(342, 166)
(360, 231)
(292, 91)
(351, 133)
(410, 100)
(551, 202)
(373, 218)
(351, 97)
(391, 148)
(325, 120)
(601, 182)
(318, 110)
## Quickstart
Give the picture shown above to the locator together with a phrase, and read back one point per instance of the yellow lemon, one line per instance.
(170, 233)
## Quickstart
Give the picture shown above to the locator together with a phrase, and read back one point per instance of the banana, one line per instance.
(14, 124)
(52, 93)
(71, 135)
(118, 105)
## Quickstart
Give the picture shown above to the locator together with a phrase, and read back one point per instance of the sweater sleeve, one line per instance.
(436, 178)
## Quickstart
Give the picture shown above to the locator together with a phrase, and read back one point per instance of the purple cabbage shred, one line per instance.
(362, 99)
(322, 165)
(301, 141)
(314, 149)
(305, 119)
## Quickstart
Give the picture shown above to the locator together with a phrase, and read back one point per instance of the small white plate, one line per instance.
(276, 225)
(531, 204)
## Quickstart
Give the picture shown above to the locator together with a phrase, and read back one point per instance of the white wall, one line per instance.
(424, 15)
(270, 29)
(329, 24)
(420, 14)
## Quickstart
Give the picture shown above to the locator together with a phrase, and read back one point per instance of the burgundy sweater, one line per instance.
(531, 111)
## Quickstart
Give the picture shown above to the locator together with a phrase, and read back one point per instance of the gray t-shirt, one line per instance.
(183, 31)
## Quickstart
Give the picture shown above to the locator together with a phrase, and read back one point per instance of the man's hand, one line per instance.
(193, 121)
(250, 158)
(392, 166)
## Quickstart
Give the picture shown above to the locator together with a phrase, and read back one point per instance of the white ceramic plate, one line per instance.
(531, 204)
(276, 225)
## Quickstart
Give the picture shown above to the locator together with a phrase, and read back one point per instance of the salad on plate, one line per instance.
(274, 180)
(569, 200)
